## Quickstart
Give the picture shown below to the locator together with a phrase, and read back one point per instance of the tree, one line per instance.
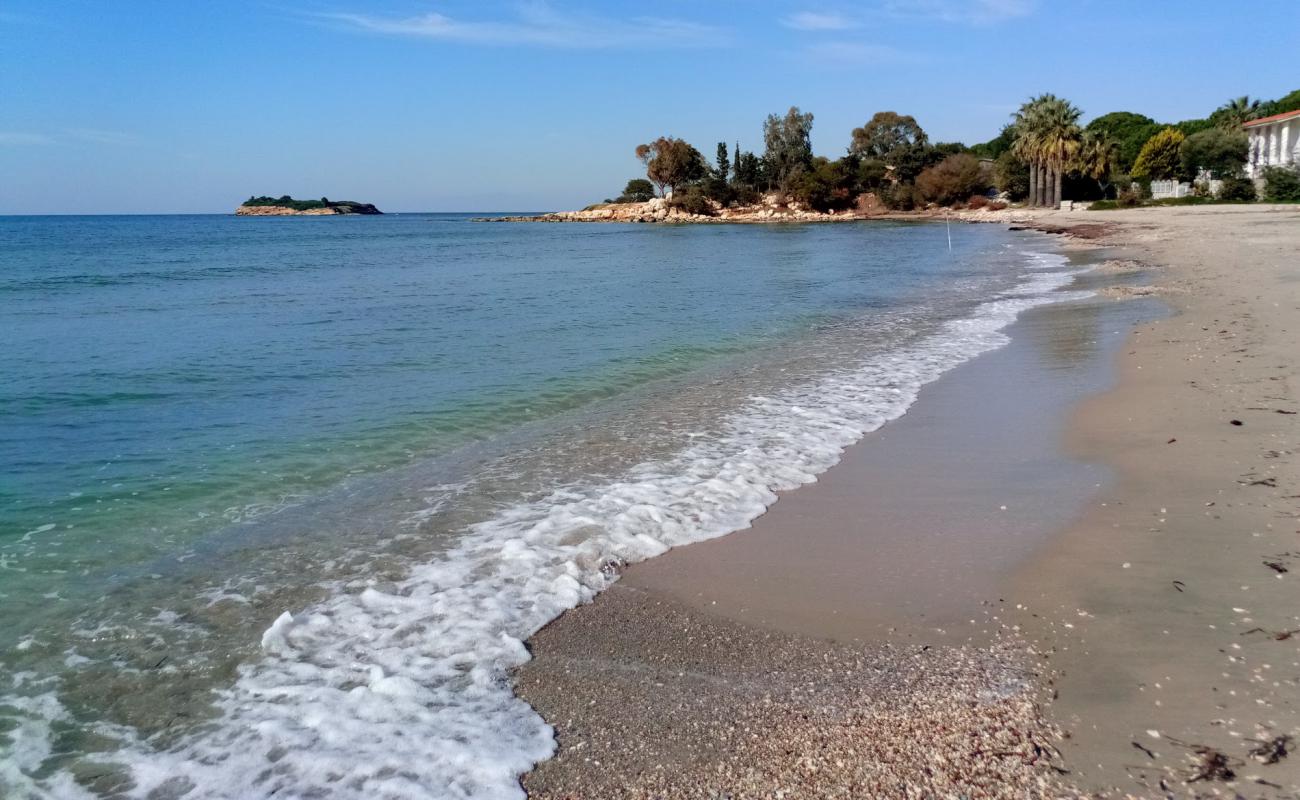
(827, 185)
(1221, 151)
(1290, 102)
(1129, 130)
(887, 134)
(1011, 176)
(1161, 157)
(1236, 112)
(996, 146)
(1098, 157)
(724, 163)
(671, 163)
(1047, 138)
(1189, 126)
(788, 140)
(953, 180)
(1059, 140)
(749, 171)
(1281, 185)
(638, 190)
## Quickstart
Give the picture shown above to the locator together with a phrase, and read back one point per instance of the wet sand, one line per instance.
(921, 522)
(1172, 580)
(830, 650)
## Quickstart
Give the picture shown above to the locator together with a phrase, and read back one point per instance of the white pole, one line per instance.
(948, 220)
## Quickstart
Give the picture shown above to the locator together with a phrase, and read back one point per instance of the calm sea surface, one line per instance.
(280, 498)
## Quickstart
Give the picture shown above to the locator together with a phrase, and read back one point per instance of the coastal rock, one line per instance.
(333, 209)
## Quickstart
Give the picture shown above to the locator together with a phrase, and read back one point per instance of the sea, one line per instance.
(282, 498)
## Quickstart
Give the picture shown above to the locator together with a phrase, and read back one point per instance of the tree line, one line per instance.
(1042, 156)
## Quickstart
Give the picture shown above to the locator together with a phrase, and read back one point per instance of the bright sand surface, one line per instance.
(1130, 569)
(1166, 581)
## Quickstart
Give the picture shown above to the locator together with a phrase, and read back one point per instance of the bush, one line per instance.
(638, 190)
(1011, 177)
(742, 195)
(1281, 185)
(1161, 157)
(826, 185)
(900, 197)
(692, 200)
(1104, 205)
(997, 205)
(954, 179)
(1237, 189)
(1129, 197)
(977, 202)
(1219, 151)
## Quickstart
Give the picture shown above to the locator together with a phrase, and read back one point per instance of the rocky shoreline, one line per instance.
(659, 211)
(326, 211)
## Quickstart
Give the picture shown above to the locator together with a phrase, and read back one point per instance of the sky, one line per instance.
(173, 106)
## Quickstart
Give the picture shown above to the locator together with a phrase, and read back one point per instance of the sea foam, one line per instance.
(402, 690)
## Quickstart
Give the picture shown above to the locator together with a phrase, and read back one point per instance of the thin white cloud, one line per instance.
(538, 24)
(818, 21)
(858, 53)
(20, 138)
(979, 12)
(67, 136)
(98, 136)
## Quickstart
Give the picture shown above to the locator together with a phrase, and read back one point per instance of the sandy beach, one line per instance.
(1067, 571)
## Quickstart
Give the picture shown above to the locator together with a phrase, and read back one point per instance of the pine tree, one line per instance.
(724, 163)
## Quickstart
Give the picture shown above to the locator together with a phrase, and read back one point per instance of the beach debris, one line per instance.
(1270, 751)
(1171, 441)
(1179, 585)
(1236, 422)
(1208, 763)
(1280, 636)
(1276, 566)
(1150, 753)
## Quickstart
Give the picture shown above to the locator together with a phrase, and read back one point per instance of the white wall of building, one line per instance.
(1273, 144)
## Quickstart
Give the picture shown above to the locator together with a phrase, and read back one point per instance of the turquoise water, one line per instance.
(209, 421)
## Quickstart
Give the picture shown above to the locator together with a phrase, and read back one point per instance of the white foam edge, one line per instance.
(404, 692)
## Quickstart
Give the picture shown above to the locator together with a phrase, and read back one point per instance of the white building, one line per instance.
(1274, 141)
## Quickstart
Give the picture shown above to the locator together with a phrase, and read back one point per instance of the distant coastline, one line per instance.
(770, 210)
(286, 206)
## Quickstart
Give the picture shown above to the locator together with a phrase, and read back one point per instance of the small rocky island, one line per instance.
(286, 206)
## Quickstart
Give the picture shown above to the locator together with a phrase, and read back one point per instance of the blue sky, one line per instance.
(439, 105)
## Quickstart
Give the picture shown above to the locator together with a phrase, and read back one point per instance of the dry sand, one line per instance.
(1173, 580)
(1158, 619)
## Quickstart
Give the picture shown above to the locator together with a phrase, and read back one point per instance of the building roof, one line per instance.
(1274, 118)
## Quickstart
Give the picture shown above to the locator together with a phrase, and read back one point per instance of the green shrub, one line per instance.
(1129, 197)
(1281, 185)
(900, 197)
(692, 200)
(288, 202)
(953, 180)
(1104, 205)
(1237, 189)
(638, 190)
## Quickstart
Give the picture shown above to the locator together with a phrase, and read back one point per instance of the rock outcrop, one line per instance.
(659, 210)
(333, 209)
(769, 211)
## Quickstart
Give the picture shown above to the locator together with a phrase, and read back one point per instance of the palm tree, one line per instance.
(1059, 136)
(1047, 138)
(1026, 145)
(1098, 157)
(1237, 112)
